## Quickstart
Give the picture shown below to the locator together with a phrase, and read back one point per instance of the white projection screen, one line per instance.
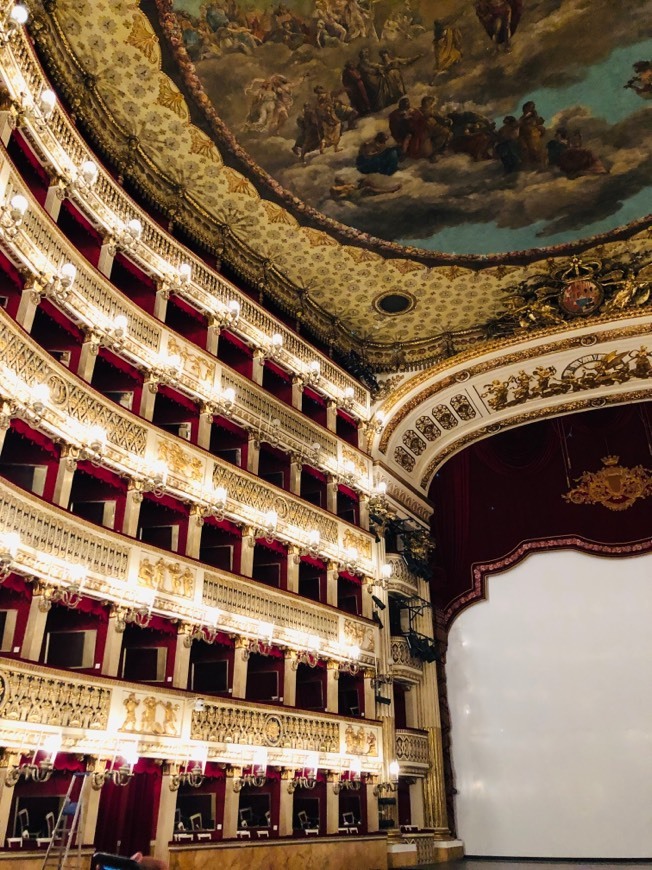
(550, 694)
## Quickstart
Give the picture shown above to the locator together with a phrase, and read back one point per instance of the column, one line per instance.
(331, 415)
(364, 512)
(165, 819)
(231, 804)
(253, 452)
(247, 552)
(362, 436)
(7, 124)
(372, 809)
(417, 816)
(88, 355)
(331, 494)
(65, 475)
(297, 393)
(105, 262)
(204, 427)
(240, 666)
(29, 302)
(332, 805)
(161, 303)
(35, 629)
(147, 399)
(132, 511)
(332, 577)
(213, 336)
(91, 809)
(193, 539)
(332, 682)
(290, 680)
(295, 474)
(369, 695)
(285, 826)
(182, 658)
(293, 563)
(258, 368)
(6, 795)
(112, 647)
(53, 200)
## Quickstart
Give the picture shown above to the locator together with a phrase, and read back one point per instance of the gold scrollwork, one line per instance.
(613, 486)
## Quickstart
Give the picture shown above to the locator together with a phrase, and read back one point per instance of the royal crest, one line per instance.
(614, 486)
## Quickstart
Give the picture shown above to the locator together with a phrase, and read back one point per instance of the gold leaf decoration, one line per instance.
(360, 255)
(238, 183)
(278, 215)
(170, 97)
(144, 39)
(406, 266)
(319, 239)
(614, 486)
(202, 145)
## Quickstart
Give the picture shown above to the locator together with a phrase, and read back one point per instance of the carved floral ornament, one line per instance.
(613, 486)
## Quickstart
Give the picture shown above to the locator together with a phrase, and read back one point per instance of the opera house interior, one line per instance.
(325, 432)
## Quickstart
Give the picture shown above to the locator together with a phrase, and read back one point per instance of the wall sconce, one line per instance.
(21, 399)
(348, 398)
(350, 666)
(40, 112)
(267, 529)
(216, 505)
(186, 775)
(166, 370)
(313, 375)
(90, 446)
(150, 478)
(86, 176)
(137, 613)
(220, 403)
(376, 423)
(15, 18)
(261, 645)
(58, 287)
(349, 779)
(206, 631)
(120, 776)
(176, 281)
(69, 595)
(349, 560)
(273, 349)
(36, 772)
(9, 546)
(11, 215)
(390, 785)
(227, 318)
(309, 656)
(127, 236)
(257, 774)
(307, 777)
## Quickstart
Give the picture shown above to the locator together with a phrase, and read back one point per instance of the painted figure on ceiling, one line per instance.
(500, 19)
(447, 45)
(355, 88)
(641, 83)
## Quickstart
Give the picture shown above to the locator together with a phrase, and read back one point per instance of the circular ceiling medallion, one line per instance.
(394, 303)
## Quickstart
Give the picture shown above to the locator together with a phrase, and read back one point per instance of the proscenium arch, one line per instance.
(434, 415)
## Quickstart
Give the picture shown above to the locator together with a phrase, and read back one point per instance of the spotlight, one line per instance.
(380, 604)
(377, 619)
(380, 699)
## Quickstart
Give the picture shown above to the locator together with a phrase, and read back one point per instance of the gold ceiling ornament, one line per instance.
(613, 486)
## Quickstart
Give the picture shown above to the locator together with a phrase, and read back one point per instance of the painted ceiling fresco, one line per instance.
(151, 115)
(463, 126)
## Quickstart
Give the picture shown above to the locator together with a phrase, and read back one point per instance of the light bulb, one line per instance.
(220, 495)
(18, 205)
(271, 519)
(47, 102)
(119, 325)
(228, 395)
(10, 541)
(135, 229)
(314, 537)
(89, 172)
(19, 14)
(40, 394)
(184, 273)
(67, 274)
(315, 367)
(394, 769)
(233, 307)
(381, 488)
(277, 340)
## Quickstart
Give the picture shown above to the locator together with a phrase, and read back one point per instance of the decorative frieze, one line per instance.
(411, 749)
